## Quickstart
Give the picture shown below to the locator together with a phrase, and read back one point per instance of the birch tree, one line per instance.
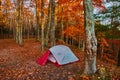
(90, 39)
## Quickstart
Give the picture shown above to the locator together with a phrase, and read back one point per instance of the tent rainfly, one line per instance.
(58, 55)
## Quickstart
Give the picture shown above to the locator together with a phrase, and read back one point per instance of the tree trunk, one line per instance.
(118, 61)
(42, 25)
(28, 32)
(17, 34)
(71, 41)
(66, 37)
(1, 17)
(29, 27)
(19, 29)
(1, 32)
(13, 32)
(62, 29)
(83, 45)
(13, 27)
(52, 24)
(48, 24)
(38, 24)
(102, 51)
(79, 42)
(66, 40)
(20, 36)
(0, 7)
(90, 39)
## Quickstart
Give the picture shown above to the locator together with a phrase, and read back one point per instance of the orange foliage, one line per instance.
(101, 39)
(85, 78)
(73, 32)
(62, 1)
(72, 10)
(98, 3)
(104, 42)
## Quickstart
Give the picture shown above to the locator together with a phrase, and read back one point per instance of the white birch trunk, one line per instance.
(90, 39)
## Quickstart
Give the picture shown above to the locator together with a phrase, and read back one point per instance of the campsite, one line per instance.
(59, 40)
(20, 63)
(15, 65)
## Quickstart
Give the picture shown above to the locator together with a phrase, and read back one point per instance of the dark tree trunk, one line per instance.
(48, 24)
(62, 29)
(38, 23)
(118, 62)
(0, 6)
(42, 24)
(1, 18)
(52, 24)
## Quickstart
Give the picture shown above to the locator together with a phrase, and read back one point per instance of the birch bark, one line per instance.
(90, 39)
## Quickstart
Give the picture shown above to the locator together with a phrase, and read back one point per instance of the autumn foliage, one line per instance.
(71, 11)
(19, 62)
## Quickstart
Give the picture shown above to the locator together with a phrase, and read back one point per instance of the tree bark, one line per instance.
(13, 27)
(17, 34)
(66, 40)
(42, 25)
(1, 32)
(48, 24)
(28, 31)
(38, 24)
(118, 61)
(62, 29)
(0, 7)
(20, 23)
(1, 18)
(67, 37)
(52, 25)
(90, 39)
(79, 42)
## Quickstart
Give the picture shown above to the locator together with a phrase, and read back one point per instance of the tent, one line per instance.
(58, 55)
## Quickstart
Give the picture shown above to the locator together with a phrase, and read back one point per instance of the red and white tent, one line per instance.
(59, 55)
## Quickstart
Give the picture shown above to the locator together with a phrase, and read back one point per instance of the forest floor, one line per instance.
(19, 63)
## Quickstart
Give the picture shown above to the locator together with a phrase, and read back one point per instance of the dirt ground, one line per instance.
(19, 63)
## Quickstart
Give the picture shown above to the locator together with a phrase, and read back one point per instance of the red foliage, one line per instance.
(109, 60)
(98, 3)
